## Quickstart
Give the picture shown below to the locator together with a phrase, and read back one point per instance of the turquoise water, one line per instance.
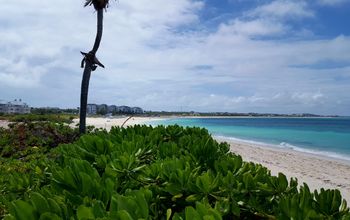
(325, 136)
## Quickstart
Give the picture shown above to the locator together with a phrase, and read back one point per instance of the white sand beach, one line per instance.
(107, 122)
(318, 172)
(4, 123)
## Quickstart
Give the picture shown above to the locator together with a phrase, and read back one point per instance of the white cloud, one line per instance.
(283, 9)
(332, 2)
(152, 51)
(258, 27)
(158, 12)
(283, 102)
(271, 19)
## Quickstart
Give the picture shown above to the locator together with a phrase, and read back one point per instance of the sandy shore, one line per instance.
(318, 172)
(4, 124)
(107, 123)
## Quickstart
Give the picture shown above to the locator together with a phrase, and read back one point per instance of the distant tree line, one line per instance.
(44, 111)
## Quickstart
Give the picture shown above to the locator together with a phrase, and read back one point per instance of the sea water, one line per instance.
(324, 136)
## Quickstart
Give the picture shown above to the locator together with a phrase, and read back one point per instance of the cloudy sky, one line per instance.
(281, 56)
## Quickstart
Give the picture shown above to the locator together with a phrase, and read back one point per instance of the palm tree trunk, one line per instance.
(99, 30)
(87, 73)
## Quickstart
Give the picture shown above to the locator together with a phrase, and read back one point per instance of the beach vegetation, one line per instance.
(55, 118)
(45, 111)
(142, 172)
(25, 138)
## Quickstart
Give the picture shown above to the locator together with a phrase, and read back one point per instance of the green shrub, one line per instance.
(160, 173)
(22, 139)
(56, 118)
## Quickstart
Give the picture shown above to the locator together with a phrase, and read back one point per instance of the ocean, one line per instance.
(322, 136)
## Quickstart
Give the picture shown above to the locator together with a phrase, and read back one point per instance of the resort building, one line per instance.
(124, 109)
(137, 110)
(102, 109)
(93, 109)
(112, 109)
(3, 106)
(14, 107)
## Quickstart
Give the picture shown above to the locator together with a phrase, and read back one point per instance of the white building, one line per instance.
(3, 106)
(102, 109)
(112, 109)
(137, 110)
(14, 107)
(91, 109)
(124, 109)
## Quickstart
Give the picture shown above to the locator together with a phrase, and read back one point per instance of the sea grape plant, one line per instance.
(169, 172)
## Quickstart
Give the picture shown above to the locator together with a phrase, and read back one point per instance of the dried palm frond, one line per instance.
(98, 4)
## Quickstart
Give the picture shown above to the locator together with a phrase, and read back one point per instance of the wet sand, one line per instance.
(318, 172)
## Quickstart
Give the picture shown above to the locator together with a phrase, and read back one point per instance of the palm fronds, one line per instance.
(98, 4)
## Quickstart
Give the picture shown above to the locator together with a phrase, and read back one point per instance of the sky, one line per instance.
(279, 56)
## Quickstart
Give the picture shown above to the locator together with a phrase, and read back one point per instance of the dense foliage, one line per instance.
(155, 173)
(44, 111)
(56, 118)
(21, 139)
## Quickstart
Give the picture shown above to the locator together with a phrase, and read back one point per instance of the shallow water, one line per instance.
(325, 136)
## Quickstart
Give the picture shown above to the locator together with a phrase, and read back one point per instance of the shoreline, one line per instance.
(317, 171)
(108, 122)
(223, 116)
(337, 157)
(328, 155)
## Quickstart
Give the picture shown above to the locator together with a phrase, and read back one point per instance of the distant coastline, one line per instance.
(220, 116)
(228, 114)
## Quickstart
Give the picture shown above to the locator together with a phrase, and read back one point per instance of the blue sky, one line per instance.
(226, 55)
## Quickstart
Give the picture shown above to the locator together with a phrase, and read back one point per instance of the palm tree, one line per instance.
(90, 61)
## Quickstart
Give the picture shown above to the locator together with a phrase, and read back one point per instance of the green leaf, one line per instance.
(123, 215)
(208, 217)
(9, 217)
(49, 216)
(99, 209)
(176, 197)
(282, 182)
(223, 206)
(142, 207)
(22, 210)
(168, 214)
(88, 184)
(40, 203)
(177, 217)
(235, 208)
(84, 213)
(248, 181)
(191, 213)
(54, 206)
(193, 198)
